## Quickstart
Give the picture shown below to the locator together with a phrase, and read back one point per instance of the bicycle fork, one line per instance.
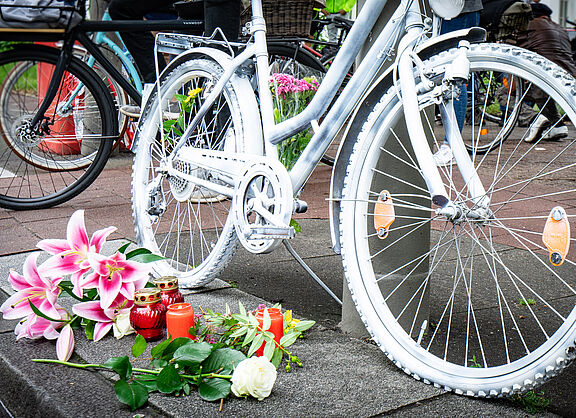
(457, 71)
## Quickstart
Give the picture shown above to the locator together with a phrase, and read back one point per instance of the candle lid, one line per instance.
(166, 282)
(147, 296)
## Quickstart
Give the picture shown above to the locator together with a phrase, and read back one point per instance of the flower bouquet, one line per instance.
(291, 96)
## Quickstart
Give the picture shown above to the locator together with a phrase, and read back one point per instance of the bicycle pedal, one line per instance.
(269, 232)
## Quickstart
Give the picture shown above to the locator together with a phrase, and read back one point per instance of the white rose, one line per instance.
(121, 325)
(254, 376)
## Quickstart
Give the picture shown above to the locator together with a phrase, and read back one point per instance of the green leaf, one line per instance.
(249, 336)
(266, 321)
(139, 346)
(138, 251)
(42, 315)
(213, 389)
(269, 349)
(123, 248)
(147, 380)
(222, 360)
(241, 308)
(158, 350)
(294, 224)
(239, 332)
(256, 343)
(289, 339)
(147, 258)
(186, 388)
(89, 329)
(120, 365)
(192, 354)
(304, 325)
(169, 350)
(168, 379)
(277, 357)
(132, 394)
(253, 320)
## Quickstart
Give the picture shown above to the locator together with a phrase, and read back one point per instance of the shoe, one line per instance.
(131, 111)
(443, 156)
(556, 134)
(536, 128)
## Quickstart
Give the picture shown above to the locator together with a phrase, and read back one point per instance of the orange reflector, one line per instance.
(505, 82)
(556, 235)
(383, 214)
(484, 131)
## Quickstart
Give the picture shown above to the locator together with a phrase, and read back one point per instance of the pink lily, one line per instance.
(70, 255)
(34, 287)
(104, 318)
(114, 276)
(34, 326)
(65, 343)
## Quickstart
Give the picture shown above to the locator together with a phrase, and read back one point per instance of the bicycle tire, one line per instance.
(476, 307)
(189, 225)
(41, 171)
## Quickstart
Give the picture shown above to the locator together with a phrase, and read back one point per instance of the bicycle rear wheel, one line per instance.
(49, 168)
(188, 224)
(479, 305)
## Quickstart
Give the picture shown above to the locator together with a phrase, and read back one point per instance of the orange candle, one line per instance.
(276, 326)
(179, 319)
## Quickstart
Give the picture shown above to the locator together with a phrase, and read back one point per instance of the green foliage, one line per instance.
(474, 363)
(532, 401)
(526, 302)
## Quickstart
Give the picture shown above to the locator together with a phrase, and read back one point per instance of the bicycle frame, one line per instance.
(101, 39)
(407, 17)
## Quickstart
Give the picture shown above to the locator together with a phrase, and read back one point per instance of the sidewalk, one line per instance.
(341, 376)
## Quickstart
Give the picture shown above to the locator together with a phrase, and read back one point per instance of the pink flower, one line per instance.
(104, 318)
(114, 276)
(34, 326)
(70, 255)
(32, 286)
(65, 343)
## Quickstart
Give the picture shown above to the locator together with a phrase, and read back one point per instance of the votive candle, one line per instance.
(179, 319)
(148, 315)
(276, 325)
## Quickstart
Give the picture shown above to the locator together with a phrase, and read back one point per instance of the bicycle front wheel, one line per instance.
(188, 224)
(480, 305)
(46, 168)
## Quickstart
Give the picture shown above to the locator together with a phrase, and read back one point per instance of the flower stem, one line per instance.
(138, 370)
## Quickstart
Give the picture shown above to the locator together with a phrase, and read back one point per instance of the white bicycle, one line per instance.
(463, 274)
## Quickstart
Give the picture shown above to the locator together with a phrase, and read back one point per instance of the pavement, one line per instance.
(342, 375)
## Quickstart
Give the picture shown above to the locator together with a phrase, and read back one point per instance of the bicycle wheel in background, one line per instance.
(483, 305)
(494, 96)
(47, 169)
(174, 217)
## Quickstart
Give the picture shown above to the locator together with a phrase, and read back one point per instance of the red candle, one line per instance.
(168, 286)
(179, 319)
(276, 326)
(148, 315)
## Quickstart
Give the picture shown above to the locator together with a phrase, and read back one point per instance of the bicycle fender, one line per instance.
(370, 99)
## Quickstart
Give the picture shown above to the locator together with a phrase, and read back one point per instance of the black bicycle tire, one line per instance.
(104, 103)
